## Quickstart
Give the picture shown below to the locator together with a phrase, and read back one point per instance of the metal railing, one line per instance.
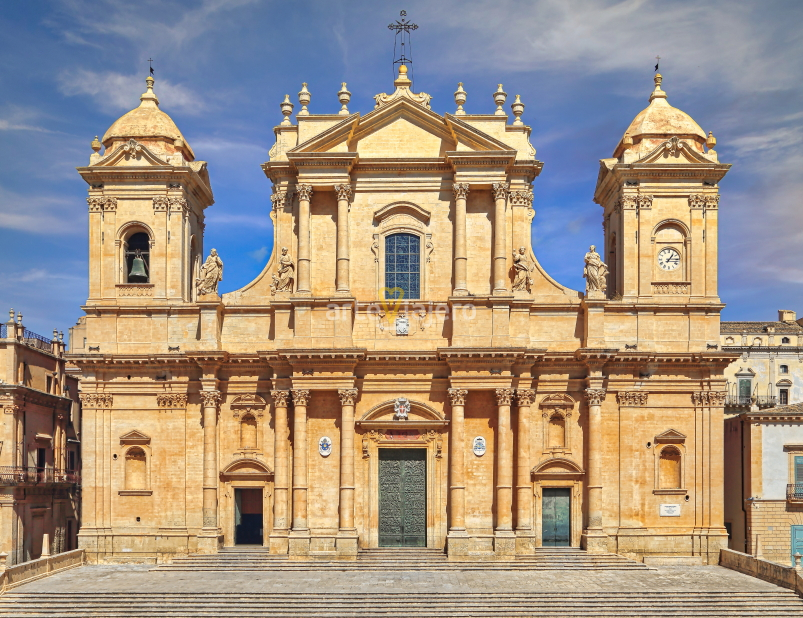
(37, 341)
(737, 401)
(794, 491)
(744, 401)
(15, 475)
(3, 331)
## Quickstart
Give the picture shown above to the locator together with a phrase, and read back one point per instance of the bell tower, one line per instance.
(147, 195)
(660, 195)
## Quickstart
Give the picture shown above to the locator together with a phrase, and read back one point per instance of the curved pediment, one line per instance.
(675, 151)
(418, 411)
(558, 400)
(558, 466)
(132, 153)
(402, 208)
(247, 466)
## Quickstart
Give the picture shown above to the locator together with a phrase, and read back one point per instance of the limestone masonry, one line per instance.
(403, 372)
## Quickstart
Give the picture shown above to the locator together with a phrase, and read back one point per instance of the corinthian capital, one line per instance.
(344, 192)
(347, 396)
(210, 399)
(96, 400)
(595, 396)
(501, 190)
(525, 396)
(95, 204)
(457, 396)
(504, 396)
(521, 198)
(304, 192)
(460, 190)
(279, 199)
(300, 397)
(280, 398)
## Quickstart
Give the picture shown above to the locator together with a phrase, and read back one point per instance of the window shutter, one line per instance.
(798, 469)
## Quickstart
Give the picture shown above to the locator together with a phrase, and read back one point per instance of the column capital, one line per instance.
(300, 396)
(595, 396)
(525, 396)
(501, 190)
(280, 398)
(279, 199)
(521, 198)
(210, 399)
(460, 190)
(96, 400)
(457, 396)
(347, 396)
(344, 192)
(304, 192)
(504, 396)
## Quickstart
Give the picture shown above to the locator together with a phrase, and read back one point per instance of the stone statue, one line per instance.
(211, 275)
(522, 279)
(283, 278)
(595, 272)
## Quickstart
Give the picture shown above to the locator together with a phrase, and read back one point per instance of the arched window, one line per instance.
(757, 341)
(784, 368)
(137, 258)
(557, 431)
(669, 468)
(729, 341)
(784, 339)
(136, 470)
(403, 265)
(248, 432)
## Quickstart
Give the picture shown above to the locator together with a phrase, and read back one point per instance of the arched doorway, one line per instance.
(247, 505)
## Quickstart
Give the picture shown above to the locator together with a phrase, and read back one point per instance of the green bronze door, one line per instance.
(555, 508)
(402, 497)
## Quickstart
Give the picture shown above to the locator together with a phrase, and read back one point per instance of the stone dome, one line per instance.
(149, 125)
(658, 122)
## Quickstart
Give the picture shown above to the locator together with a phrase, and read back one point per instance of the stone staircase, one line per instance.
(398, 559)
(268, 604)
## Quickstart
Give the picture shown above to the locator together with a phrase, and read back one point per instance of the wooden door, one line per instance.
(555, 517)
(402, 497)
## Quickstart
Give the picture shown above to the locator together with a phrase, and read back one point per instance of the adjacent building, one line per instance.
(40, 454)
(403, 372)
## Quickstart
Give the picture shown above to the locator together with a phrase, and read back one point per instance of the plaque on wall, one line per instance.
(669, 510)
(479, 447)
(325, 446)
(402, 325)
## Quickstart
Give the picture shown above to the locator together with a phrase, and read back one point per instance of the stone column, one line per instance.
(347, 535)
(504, 463)
(457, 540)
(460, 254)
(304, 196)
(500, 277)
(208, 539)
(278, 541)
(344, 196)
(299, 546)
(524, 487)
(594, 539)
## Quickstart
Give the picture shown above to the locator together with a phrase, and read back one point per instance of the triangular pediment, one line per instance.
(400, 129)
(674, 151)
(134, 437)
(670, 436)
(132, 153)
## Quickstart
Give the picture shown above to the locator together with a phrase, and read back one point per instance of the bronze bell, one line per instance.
(138, 268)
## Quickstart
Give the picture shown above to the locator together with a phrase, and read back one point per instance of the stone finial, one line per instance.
(287, 109)
(627, 140)
(149, 96)
(518, 109)
(658, 93)
(304, 97)
(61, 336)
(460, 99)
(178, 142)
(96, 145)
(402, 79)
(55, 335)
(19, 318)
(11, 315)
(500, 96)
(344, 96)
(711, 141)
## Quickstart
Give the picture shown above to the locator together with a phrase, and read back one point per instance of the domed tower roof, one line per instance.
(150, 126)
(658, 122)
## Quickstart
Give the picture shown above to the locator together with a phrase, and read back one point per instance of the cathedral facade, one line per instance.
(403, 372)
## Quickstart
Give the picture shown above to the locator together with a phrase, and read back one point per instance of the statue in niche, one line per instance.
(211, 275)
(595, 272)
(522, 270)
(283, 278)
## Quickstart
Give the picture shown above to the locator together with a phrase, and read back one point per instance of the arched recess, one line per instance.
(134, 241)
(404, 218)
(670, 463)
(248, 411)
(245, 473)
(671, 235)
(557, 416)
(135, 475)
(558, 472)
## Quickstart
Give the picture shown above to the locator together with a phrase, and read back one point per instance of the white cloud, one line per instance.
(39, 214)
(259, 254)
(117, 92)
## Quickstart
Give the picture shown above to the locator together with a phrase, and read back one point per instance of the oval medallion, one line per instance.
(325, 447)
(479, 446)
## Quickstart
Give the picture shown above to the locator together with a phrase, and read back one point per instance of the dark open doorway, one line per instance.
(248, 516)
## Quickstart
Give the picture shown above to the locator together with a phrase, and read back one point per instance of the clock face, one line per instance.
(668, 259)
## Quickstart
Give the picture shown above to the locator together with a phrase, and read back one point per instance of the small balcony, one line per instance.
(745, 402)
(22, 475)
(794, 492)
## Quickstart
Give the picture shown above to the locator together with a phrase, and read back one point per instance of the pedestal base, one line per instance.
(594, 541)
(278, 544)
(525, 544)
(505, 544)
(210, 541)
(458, 545)
(347, 545)
(298, 545)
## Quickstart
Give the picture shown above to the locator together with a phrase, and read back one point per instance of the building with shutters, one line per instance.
(403, 372)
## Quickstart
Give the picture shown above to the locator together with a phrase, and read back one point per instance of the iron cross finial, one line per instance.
(150, 65)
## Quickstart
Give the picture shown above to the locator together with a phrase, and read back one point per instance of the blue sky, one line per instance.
(583, 69)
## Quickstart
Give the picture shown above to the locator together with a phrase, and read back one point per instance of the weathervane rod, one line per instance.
(403, 27)
(150, 65)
